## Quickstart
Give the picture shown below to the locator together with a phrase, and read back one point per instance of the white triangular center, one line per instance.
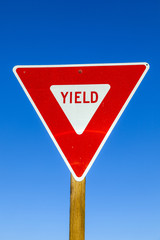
(80, 102)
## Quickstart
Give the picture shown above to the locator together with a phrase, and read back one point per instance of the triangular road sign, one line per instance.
(80, 104)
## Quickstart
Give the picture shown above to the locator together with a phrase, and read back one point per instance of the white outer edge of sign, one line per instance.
(113, 124)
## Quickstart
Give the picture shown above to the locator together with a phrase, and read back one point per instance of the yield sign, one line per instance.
(80, 104)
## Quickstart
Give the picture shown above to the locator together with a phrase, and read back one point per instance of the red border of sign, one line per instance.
(112, 126)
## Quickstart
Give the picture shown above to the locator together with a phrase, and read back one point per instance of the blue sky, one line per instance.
(123, 185)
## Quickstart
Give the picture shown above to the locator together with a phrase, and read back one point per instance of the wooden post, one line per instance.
(77, 210)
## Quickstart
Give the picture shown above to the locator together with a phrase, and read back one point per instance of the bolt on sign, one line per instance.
(80, 105)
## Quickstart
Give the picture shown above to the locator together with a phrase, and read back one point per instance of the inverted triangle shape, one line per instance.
(79, 151)
(80, 102)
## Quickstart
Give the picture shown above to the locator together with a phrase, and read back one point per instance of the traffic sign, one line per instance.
(79, 105)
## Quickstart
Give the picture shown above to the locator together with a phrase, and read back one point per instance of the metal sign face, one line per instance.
(79, 105)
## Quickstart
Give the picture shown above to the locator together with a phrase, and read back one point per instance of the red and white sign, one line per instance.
(80, 104)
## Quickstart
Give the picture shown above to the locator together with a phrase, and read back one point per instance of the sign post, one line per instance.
(79, 106)
(77, 209)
